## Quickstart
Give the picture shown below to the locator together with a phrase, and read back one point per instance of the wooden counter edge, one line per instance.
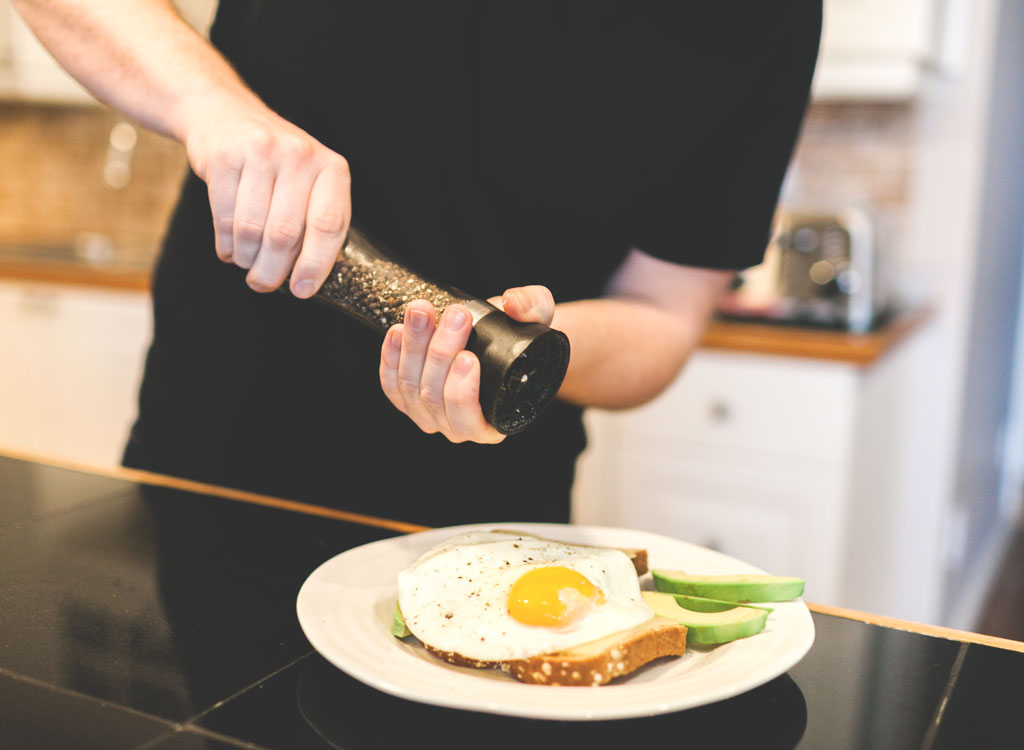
(77, 274)
(937, 631)
(188, 485)
(792, 341)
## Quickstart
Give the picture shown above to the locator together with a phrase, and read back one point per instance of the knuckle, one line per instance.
(299, 149)
(327, 220)
(339, 165)
(409, 387)
(432, 398)
(224, 249)
(262, 282)
(462, 396)
(259, 142)
(283, 234)
(220, 160)
(438, 357)
(249, 231)
(387, 384)
(224, 225)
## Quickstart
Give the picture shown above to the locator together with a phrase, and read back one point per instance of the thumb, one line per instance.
(529, 304)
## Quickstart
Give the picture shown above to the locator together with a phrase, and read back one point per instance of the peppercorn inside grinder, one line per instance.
(521, 364)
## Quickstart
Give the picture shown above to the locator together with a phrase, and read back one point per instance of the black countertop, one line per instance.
(141, 616)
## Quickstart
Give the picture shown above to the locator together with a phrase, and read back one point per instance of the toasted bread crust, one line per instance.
(594, 663)
(601, 661)
(459, 660)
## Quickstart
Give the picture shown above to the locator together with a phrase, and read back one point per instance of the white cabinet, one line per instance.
(798, 466)
(884, 49)
(72, 362)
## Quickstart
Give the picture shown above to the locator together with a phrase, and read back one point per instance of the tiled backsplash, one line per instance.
(63, 181)
(859, 155)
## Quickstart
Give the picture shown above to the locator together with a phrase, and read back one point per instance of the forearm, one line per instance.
(139, 56)
(630, 344)
(624, 352)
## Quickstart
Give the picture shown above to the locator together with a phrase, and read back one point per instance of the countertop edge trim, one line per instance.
(204, 488)
(937, 631)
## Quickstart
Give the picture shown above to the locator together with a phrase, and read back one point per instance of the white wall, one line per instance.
(966, 203)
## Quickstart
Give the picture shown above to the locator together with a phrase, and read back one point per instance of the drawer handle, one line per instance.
(720, 411)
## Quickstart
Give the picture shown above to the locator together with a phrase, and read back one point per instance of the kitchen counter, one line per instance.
(860, 349)
(142, 611)
(64, 265)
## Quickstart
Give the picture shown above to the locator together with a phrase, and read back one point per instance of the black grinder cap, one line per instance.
(522, 366)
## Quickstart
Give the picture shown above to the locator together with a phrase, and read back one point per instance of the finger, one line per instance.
(327, 220)
(222, 186)
(255, 186)
(462, 401)
(529, 304)
(390, 356)
(282, 235)
(416, 334)
(448, 340)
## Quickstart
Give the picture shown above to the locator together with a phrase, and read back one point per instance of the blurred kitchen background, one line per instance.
(856, 413)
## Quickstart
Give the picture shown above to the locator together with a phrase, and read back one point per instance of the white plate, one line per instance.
(346, 604)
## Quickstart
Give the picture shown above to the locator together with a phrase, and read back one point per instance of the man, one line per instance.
(622, 159)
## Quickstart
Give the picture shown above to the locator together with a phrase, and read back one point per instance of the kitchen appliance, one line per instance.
(522, 365)
(821, 268)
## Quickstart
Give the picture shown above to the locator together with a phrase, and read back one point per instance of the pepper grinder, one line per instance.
(522, 365)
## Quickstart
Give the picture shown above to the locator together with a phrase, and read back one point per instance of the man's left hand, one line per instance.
(427, 373)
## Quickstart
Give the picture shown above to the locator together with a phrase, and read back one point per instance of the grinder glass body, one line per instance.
(522, 365)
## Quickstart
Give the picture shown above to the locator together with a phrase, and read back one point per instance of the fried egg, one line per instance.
(492, 596)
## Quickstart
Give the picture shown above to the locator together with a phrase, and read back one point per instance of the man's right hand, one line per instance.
(280, 199)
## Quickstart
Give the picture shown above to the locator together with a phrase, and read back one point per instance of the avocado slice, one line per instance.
(730, 588)
(398, 627)
(702, 604)
(709, 628)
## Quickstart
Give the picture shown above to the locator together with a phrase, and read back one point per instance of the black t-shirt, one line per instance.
(492, 144)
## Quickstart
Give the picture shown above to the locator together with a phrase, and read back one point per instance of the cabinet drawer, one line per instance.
(775, 404)
(772, 514)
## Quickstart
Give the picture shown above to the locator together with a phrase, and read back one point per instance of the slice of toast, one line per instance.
(637, 556)
(600, 661)
(593, 663)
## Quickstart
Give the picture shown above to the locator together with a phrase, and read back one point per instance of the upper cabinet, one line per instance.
(878, 50)
(29, 73)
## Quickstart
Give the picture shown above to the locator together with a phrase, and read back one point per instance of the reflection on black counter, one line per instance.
(771, 717)
(228, 575)
(314, 705)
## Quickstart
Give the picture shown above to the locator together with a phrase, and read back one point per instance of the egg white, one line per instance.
(454, 598)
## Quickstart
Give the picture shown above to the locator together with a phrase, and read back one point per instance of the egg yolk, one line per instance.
(554, 596)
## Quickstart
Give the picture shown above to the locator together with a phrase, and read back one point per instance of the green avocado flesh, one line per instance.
(398, 628)
(731, 588)
(709, 628)
(701, 604)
